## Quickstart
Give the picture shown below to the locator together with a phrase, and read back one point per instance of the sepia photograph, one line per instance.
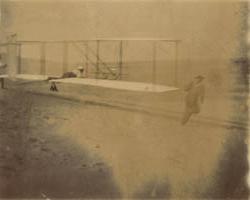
(124, 99)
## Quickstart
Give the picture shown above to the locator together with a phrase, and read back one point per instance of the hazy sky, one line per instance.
(207, 30)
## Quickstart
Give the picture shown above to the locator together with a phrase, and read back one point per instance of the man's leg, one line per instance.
(186, 117)
(2, 83)
(53, 87)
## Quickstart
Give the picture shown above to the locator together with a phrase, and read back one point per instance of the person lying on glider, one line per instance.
(76, 73)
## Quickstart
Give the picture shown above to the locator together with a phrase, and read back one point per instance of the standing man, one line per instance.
(2, 66)
(194, 98)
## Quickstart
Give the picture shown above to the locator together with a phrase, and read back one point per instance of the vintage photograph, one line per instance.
(124, 99)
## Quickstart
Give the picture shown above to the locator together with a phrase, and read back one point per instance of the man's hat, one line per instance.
(199, 77)
(80, 68)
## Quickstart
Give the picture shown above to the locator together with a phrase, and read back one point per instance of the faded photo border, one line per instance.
(94, 130)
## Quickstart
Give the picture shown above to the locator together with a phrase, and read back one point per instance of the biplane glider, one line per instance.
(105, 74)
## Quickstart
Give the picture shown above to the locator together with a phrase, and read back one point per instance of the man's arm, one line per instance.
(189, 86)
(2, 65)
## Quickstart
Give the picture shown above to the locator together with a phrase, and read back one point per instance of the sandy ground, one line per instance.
(60, 148)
